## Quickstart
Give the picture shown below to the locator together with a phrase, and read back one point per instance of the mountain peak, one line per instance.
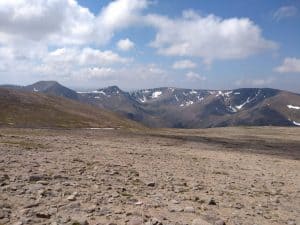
(52, 88)
(111, 90)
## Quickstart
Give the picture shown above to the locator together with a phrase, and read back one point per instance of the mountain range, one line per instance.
(186, 108)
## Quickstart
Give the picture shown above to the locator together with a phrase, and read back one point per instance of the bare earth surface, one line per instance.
(194, 177)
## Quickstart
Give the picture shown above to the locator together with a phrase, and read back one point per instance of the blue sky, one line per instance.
(88, 44)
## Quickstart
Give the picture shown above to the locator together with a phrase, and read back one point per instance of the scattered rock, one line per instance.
(43, 215)
(72, 197)
(151, 184)
(212, 201)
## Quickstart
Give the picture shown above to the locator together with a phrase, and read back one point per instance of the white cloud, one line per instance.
(54, 21)
(184, 64)
(31, 29)
(125, 44)
(121, 13)
(194, 76)
(65, 22)
(82, 57)
(255, 82)
(207, 37)
(94, 73)
(289, 65)
(285, 12)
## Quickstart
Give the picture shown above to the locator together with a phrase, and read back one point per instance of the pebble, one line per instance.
(72, 197)
(43, 215)
(151, 184)
(212, 201)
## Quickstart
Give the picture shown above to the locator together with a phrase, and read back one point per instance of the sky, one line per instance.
(135, 44)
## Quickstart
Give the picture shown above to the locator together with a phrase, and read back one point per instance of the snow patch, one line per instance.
(156, 94)
(293, 107)
(176, 98)
(144, 99)
(224, 94)
(192, 92)
(232, 109)
(35, 90)
(239, 107)
(296, 123)
(200, 98)
(188, 103)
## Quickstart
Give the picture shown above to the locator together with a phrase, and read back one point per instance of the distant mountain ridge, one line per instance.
(190, 108)
(47, 87)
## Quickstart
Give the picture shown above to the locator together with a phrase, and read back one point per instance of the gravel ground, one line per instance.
(116, 177)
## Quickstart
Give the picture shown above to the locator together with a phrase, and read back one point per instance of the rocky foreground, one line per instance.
(115, 177)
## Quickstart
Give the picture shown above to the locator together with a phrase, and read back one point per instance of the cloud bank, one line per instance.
(60, 39)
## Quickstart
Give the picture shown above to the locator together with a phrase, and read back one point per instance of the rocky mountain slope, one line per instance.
(190, 108)
(20, 108)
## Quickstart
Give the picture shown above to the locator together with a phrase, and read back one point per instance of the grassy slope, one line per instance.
(24, 109)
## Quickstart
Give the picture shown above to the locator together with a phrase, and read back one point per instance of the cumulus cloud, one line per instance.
(285, 12)
(62, 22)
(55, 21)
(289, 65)
(121, 13)
(184, 64)
(87, 62)
(208, 37)
(192, 76)
(29, 28)
(125, 44)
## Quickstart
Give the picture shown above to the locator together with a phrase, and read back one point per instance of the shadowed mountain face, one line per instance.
(189, 108)
(19, 108)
